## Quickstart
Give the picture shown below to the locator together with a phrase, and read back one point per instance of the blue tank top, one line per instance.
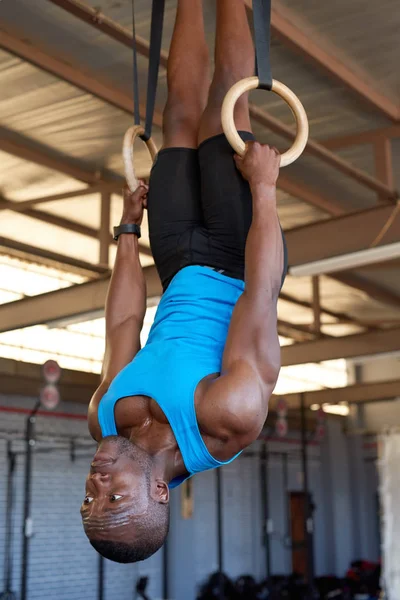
(185, 344)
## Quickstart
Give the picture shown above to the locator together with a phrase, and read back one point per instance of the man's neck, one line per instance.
(160, 443)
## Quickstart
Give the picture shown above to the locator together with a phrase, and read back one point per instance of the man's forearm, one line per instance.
(264, 248)
(126, 298)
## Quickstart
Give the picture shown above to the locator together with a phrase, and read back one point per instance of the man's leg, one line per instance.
(234, 60)
(174, 202)
(188, 77)
(225, 195)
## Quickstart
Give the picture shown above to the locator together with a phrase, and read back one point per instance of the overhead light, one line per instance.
(347, 261)
(336, 409)
(315, 407)
(360, 360)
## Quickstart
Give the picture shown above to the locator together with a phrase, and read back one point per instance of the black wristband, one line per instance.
(127, 228)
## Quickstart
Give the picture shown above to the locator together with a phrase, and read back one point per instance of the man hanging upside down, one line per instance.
(197, 394)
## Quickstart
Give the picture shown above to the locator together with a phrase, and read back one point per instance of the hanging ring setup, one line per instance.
(253, 83)
(262, 12)
(128, 157)
(157, 20)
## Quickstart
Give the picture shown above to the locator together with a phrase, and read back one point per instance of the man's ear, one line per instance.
(160, 491)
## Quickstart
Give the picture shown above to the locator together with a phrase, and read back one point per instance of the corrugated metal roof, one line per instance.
(66, 119)
(365, 34)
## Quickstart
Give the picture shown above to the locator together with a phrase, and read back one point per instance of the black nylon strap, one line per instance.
(157, 21)
(262, 38)
(136, 107)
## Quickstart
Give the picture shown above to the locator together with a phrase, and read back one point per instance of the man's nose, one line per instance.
(101, 477)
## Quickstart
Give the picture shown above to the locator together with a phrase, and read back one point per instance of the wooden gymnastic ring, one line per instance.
(127, 154)
(252, 83)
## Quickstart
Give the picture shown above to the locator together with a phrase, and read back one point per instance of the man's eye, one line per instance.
(115, 497)
(88, 500)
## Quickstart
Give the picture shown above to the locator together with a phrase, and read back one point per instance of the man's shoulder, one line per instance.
(234, 408)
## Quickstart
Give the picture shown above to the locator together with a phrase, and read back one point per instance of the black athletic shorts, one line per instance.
(199, 210)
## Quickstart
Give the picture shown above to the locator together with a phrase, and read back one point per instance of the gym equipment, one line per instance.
(100, 578)
(8, 594)
(264, 81)
(218, 587)
(141, 586)
(389, 451)
(137, 130)
(27, 527)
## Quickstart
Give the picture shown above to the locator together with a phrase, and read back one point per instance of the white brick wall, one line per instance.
(62, 564)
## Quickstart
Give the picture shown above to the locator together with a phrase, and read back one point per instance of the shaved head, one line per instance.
(125, 513)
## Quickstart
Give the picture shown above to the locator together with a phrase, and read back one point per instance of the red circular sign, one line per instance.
(49, 396)
(281, 427)
(281, 407)
(51, 371)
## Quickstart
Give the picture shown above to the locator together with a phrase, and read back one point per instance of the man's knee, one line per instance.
(181, 118)
(224, 79)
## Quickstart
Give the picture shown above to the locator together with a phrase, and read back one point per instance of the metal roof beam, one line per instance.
(350, 346)
(27, 149)
(318, 150)
(340, 317)
(362, 137)
(67, 224)
(95, 18)
(113, 29)
(311, 242)
(26, 379)
(363, 392)
(309, 195)
(321, 239)
(49, 258)
(20, 378)
(373, 290)
(88, 298)
(82, 299)
(384, 162)
(313, 50)
(101, 181)
(99, 188)
(336, 236)
(71, 73)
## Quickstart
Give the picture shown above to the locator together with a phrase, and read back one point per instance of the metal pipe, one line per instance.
(285, 480)
(220, 548)
(307, 511)
(11, 459)
(166, 570)
(100, 578)
(27, 522)
(265, 507)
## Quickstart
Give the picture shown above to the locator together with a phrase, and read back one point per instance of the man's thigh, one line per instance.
(174, 209)
(226, 203)
(227, 207)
